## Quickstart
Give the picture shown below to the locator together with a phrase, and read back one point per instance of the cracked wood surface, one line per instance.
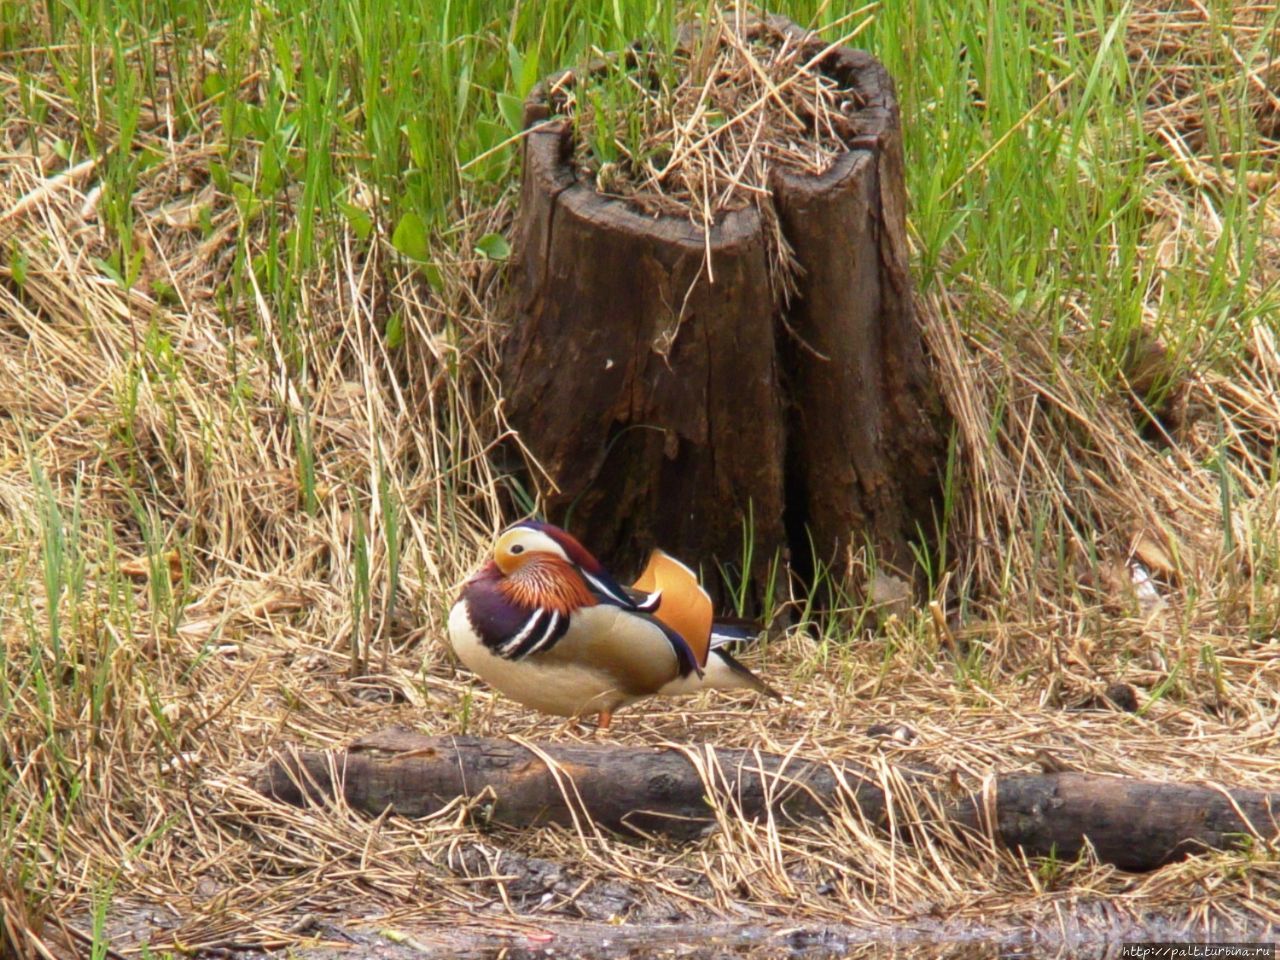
(677, 791)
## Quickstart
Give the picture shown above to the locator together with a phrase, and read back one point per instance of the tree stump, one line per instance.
(668, 408)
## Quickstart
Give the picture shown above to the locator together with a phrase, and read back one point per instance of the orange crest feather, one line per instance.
(543, 581)
(685, 606)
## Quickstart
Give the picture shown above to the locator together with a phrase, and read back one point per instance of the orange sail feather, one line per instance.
(685, 606)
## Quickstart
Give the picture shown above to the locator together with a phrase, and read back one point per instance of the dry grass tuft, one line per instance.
(181, 593)
(1155, 496)
(697, 132)
(738, 98)
(199, 498)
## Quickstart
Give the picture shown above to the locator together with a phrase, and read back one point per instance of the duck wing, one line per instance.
(683, 605)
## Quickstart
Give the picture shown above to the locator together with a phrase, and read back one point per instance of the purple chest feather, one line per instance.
(507, 628)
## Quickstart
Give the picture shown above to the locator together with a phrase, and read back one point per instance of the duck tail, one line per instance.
(726, 673)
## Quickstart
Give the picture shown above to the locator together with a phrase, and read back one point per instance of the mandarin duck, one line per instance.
(544, 623)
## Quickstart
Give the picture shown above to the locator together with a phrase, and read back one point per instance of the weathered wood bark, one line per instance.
(1134, 824)
(667, 402)
(644, 449)
(863, 440)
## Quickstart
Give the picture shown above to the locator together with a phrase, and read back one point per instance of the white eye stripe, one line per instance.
(539, 542)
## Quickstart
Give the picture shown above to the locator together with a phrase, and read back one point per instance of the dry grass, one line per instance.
(182, 594)
(698, 132)
(736, 99)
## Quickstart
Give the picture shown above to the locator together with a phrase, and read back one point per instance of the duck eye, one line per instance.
(517, 549)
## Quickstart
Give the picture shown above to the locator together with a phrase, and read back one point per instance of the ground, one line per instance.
(251, 268)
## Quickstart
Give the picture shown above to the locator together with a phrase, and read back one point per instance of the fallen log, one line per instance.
(674, 792)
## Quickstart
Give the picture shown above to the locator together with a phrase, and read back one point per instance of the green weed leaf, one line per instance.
(410, 236)
(493, 246)
(512, 111)
(395, 331)
(360, 221)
